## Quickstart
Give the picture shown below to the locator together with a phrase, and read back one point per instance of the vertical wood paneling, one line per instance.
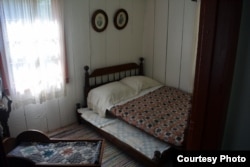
(77, 29)
(125, 34)
(188, 46)
(169, 41)
(160, 39)
(97, 39)
(174, 44)
(148, 37)
(53, 115)
(17, 121)
(137, 12)
(36, 117)
(113, 39)
(67, 109)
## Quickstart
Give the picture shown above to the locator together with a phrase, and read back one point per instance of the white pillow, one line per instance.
(139, 83)
(102, 97)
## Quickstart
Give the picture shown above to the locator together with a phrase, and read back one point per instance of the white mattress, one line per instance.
(94, 118)
(137, 139)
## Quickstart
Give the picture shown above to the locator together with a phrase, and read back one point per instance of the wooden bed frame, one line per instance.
(110, 74)
(102, 76)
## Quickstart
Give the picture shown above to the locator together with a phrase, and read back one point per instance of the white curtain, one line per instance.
(33, 50)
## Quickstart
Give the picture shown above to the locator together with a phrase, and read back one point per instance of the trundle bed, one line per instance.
(142, 116)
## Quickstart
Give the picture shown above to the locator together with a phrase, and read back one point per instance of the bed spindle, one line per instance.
(86, 85)
(141, 72)
(128, 68)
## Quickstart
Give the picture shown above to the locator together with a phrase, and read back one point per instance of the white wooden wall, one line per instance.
(169, 41)
(162, 31)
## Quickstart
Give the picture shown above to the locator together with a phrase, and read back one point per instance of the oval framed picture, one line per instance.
(99, 20)
(121, 19)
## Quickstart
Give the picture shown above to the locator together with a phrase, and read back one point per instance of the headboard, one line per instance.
(105, 75)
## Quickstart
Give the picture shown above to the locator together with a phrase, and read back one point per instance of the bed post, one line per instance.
(86, 85)
(141, 70)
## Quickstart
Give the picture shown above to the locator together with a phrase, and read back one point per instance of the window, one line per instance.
(33, 49)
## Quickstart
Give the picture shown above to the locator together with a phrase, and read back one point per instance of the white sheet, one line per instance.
(141, 141)
(94, 118)
(138, 95)
(126, 133)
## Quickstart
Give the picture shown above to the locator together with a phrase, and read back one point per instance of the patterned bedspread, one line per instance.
(162, 113)
(80, 152)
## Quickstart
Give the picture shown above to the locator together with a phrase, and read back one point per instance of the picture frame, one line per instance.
(99, 20)
(120, 19)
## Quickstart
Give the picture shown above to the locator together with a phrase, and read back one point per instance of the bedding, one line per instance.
(74, 152)
(102, 97)
(162, 113)
(139, 83)
(155, 111)
(35, 148)
(136, 138)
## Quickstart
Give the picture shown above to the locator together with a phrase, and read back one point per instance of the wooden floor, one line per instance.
(112, 155)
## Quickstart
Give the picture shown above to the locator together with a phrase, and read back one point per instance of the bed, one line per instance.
(34, 148)
(144, 117)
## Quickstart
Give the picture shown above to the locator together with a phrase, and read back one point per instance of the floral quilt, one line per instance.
(79, 152)
(162, 113)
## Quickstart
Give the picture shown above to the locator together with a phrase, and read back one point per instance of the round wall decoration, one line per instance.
(121, 19)
(99, 20)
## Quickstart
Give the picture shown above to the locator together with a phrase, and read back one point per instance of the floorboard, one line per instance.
(112, 157)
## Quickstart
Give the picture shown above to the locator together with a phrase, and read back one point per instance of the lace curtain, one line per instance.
(33, 52)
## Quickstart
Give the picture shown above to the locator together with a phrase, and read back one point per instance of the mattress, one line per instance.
(126, 133)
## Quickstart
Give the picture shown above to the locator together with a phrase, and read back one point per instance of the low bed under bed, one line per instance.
(137, 113)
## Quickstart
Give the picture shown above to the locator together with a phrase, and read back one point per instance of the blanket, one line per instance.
(162, 113)
(79, 152)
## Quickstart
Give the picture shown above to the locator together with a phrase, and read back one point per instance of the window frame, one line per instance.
(4, 73)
